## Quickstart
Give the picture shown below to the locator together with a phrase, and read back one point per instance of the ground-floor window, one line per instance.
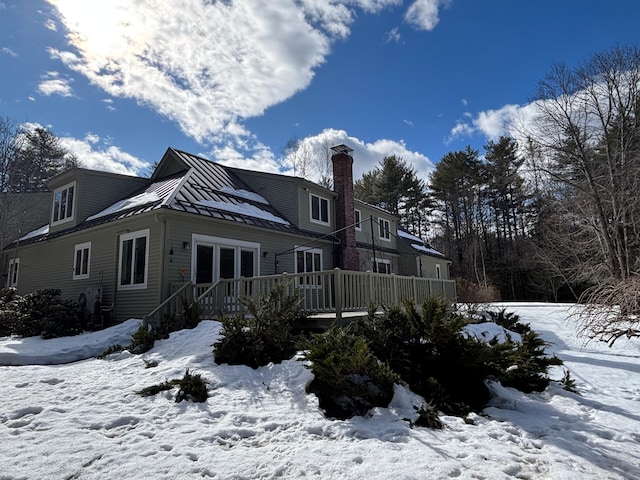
(81, 259)
(309, 260)
(438, 272)
(134, 260)
(12, 278)
(382, 265)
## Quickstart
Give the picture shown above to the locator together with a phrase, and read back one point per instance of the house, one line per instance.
(129, 241)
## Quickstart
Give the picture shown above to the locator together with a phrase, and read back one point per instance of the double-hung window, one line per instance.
(309, 260)
(319, 209)
(385, 229)
(12, 278)
(357, 217)
(134, 260)
(63, 203)
(81, 259)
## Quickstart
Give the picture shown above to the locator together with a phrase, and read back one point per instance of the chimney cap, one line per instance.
(342, 148)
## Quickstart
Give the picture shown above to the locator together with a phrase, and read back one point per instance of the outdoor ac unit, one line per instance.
(88, 297)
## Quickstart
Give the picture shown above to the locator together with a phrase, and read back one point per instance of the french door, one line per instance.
(219, 258)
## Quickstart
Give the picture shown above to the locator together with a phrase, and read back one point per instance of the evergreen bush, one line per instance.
(348, 378)
(42, 313)
(263, 336)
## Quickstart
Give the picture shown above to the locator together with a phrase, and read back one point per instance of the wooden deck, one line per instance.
(326, 296)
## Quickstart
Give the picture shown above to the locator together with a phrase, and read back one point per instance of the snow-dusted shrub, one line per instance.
(348, 379)
(262, 337)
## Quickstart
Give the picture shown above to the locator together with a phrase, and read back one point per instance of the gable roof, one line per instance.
(419, 246)
(194, 185)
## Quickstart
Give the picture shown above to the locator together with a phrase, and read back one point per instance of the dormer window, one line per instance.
(319, 209)
(63, 203)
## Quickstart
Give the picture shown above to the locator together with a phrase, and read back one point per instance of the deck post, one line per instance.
(338, 291)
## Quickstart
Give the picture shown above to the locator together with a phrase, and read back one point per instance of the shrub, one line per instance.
(349, 379)
(41, 313)
(264, 336)
(470, 292)
(190, 387)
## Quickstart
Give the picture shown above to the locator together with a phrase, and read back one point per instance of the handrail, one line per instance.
(165, 303)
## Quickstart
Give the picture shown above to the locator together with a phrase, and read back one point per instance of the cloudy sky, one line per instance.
(119, 81)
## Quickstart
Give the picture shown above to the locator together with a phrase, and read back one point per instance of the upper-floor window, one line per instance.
(12, 279)
(134, 260)
(63, 203)
(357, 217)
(385, 229)
(81, 259)
(319, 209)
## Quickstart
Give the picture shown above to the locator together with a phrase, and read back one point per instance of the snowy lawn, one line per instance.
(84, 420)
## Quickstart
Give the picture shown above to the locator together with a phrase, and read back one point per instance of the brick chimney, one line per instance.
(348, 258)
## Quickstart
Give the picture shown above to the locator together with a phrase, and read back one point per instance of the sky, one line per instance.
(85, 420)
(236, 80)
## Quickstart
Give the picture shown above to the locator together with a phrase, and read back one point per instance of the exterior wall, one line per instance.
(280, 191)
(49, 264)
(429, 269)
(272, 245)
(20, 214)
(364, 233)
(366, 260)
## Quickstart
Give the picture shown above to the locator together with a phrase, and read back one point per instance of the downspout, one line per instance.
(161, 218)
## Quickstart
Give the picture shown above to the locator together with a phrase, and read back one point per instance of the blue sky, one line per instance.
(120, 81)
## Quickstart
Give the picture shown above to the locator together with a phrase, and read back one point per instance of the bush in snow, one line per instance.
(41, 313)
(348, 378)
(262, 337)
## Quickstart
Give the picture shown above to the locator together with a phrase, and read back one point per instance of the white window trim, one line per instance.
(299, 248)
(385, 261)
(133, 236)
(216, 243)
(80, 247)
(438, 271)
(73, 204)
(380, 229)
(320, 199)
(13, 272)
(358, 223)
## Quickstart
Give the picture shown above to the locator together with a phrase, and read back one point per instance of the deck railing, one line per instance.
(331, 291)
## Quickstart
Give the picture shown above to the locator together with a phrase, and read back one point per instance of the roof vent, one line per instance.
(342, 148)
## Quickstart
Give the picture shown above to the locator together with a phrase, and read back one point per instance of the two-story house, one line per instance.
(127, 240)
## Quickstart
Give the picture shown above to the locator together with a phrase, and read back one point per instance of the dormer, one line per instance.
(79, 193)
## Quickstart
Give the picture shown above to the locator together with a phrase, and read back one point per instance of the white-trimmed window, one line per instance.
(382, 265)
(319, 209)
(357, 215)
(81, 260)
(63, 203)
(134, 260)
(309, 260)
(12, 278)
(384, 227)
(438, 272)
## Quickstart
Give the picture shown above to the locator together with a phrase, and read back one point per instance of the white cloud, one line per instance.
(53, 84)
(424, 14)
(464, 102)
(96, 154)
(392, 36)
(51, 25)
(205, 65)
(367, 156)
(8, 51)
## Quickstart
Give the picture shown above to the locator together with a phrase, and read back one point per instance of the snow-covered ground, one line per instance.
(84, 420)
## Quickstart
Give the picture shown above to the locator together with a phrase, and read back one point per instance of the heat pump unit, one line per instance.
(88, 297)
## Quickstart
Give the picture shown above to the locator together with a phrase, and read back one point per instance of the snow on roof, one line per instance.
(36, 233)
(244, 194)
(242, 209)
(403, 234)
(427, 250)
(136, 201)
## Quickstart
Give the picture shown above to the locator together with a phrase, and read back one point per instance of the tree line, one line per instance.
(552, 216)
